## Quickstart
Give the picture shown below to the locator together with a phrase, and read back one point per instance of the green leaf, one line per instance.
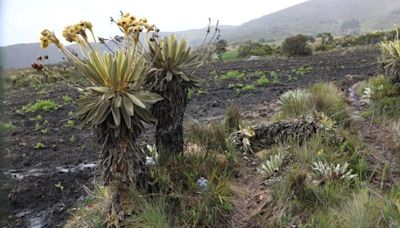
(145, 115)
(118, 101)
(147, 97)
(127, 105)
(169, 76)
(127, 118)
(135, 100)
(116, 115)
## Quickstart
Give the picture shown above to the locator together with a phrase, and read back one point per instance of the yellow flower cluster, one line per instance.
(47, 38)
(75, 33)
(129, 24)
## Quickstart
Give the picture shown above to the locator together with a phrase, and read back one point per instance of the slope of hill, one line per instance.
(310, 17)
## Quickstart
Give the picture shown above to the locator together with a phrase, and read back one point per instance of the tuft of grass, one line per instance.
(327, 98)
(320, 97)
(294, 104)
(211, 137)
(232, 119)
(367, 208)
(384, 98)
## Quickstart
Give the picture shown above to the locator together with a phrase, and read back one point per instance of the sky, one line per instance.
(23, 20)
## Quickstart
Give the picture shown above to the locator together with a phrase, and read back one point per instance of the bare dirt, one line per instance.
(45, 190)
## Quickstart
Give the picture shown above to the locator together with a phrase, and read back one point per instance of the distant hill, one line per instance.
(310, 17)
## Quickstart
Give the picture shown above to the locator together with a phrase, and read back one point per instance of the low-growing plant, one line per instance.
(38, 127)
(70, 124)
(249, 88)
(39, 105)
(39, 146)
(301, 71)
(330, 172)
(273, 164)
(262, 81)
(367, 208)
(233, 74)
(275, 78)
(67, 99)
(382, 97)
(7, 126)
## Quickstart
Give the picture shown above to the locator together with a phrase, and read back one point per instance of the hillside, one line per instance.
(310, 17)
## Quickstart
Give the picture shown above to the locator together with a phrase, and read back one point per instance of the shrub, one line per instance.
(220, 48)
(249, 48)
(296, 46)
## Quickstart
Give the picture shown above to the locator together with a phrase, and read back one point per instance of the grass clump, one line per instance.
(383, 98)
(320, 97)
(232, 119)
(294, 104)
(39, 105)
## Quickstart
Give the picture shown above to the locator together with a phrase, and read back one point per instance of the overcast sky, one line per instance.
(23, 20)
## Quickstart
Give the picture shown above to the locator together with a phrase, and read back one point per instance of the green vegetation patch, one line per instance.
(39, 105)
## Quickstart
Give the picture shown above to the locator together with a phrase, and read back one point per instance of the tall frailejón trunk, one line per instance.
(169, 114)
(122, 161)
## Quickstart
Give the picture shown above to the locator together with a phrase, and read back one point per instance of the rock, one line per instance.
(254, 58)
